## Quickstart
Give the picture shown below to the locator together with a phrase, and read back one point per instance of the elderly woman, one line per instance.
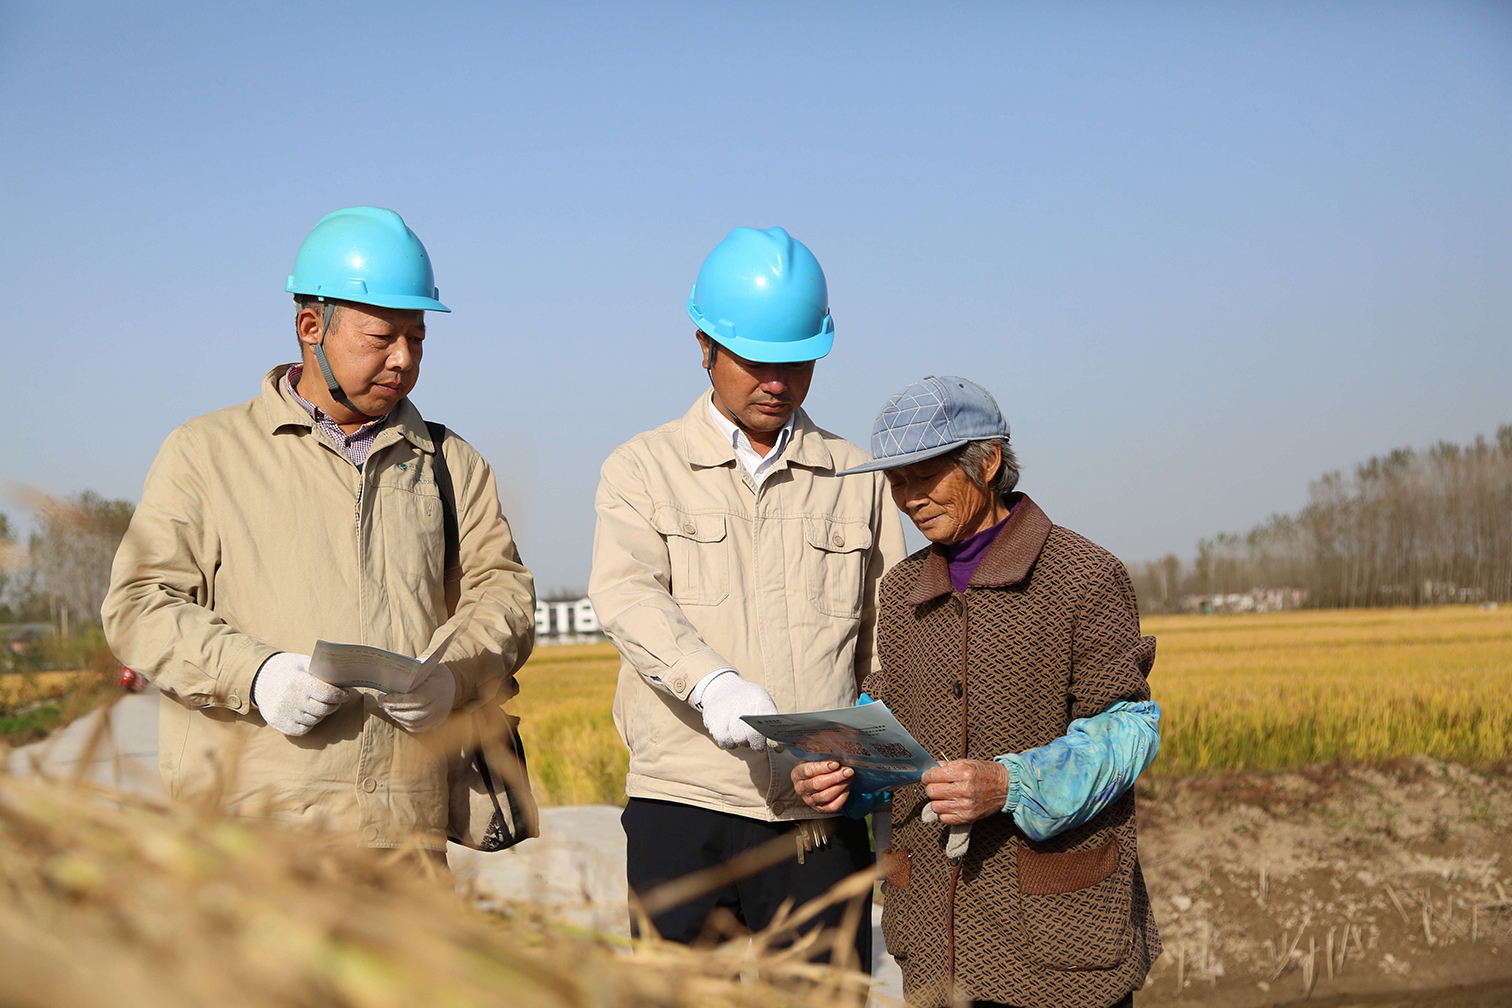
(1010, 648)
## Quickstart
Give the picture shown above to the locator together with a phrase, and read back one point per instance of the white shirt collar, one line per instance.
(758, 466)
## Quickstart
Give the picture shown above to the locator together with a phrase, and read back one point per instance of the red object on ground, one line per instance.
(131, 682)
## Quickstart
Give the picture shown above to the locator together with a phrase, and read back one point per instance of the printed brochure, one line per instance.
(347, 665)
(868, 739)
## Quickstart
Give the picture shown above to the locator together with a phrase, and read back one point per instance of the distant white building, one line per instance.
(1254, 600)
(567, 621)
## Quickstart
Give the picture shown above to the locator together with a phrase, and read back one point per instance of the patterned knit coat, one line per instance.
(1046, 632)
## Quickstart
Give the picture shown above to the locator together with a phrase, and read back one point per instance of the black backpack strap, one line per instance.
(448, 499)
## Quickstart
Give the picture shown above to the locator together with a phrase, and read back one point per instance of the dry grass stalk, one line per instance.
(111, 899)
(1286, 957)
(1397, 902)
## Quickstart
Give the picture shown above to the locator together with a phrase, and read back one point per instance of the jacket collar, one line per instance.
(280, 412)
(705, 445)
(1007, 561)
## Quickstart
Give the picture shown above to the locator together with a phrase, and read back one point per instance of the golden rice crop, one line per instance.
(27, 687)
(575, 755)
(1264, 691)
(1249, 691)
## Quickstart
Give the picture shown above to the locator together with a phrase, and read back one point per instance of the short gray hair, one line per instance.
(973, 456)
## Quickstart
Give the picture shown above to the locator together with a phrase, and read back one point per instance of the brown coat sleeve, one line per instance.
(1110, 661)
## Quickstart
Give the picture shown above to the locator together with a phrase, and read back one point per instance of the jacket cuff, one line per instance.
(233, 687)
(681, 678)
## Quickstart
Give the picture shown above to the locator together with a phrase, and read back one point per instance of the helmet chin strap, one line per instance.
(734, 417)
(337, 393)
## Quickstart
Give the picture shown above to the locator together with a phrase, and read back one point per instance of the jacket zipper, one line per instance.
(357, 534)
(773, 781)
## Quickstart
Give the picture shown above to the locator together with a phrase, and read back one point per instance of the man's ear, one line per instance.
(708, 349)
(307, 323)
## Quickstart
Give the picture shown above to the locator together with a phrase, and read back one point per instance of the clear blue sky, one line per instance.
(1201, 253)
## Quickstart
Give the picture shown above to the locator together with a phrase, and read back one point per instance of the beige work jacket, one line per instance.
(695, 569)
(256, 535)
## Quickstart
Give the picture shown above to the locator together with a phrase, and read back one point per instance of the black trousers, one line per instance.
(667, 840)
(1127, 1001)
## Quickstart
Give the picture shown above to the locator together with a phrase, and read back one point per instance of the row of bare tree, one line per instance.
(1405, 528)
(62, 573)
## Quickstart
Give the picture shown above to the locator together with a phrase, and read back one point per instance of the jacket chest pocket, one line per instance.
(835, 564)
(697, 553)
(411, 535)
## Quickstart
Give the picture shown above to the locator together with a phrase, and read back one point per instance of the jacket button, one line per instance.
(779, 807)
(369, 784)
(678, 684)
(838, 540)
(957, 690)
(370, 833)
(690, 528)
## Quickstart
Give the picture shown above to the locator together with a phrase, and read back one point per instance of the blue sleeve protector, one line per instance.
(1072, 779)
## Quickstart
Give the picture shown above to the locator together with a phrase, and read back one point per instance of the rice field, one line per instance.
(1264, 691)
(574, 754)
(1252, 691)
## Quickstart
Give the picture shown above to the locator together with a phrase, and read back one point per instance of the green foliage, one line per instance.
(29, 726)
(82, 645)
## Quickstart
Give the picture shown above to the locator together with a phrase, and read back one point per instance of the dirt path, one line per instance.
(1331, 882)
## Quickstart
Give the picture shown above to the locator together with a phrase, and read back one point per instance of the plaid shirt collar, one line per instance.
(356, 445)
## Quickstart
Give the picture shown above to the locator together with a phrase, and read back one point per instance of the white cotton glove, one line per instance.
(427, 705)
(289, 698)
(725, 699)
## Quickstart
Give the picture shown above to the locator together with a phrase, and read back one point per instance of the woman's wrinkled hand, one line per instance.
(963, 791)
(823, 784)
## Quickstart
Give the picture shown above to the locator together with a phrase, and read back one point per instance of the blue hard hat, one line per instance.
(930, 417)
(367, 255)
(762, 295)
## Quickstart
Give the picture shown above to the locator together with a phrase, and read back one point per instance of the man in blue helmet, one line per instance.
(737, 574)
(325, 508)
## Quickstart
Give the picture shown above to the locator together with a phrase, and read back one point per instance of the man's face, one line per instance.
(374, 353)
(761, 396)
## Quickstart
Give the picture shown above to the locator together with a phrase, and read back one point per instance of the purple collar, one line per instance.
(966, 555)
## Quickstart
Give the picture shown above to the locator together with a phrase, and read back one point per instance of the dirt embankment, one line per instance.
(1330, 881)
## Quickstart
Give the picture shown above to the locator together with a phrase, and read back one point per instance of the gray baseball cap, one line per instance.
(931, 417)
